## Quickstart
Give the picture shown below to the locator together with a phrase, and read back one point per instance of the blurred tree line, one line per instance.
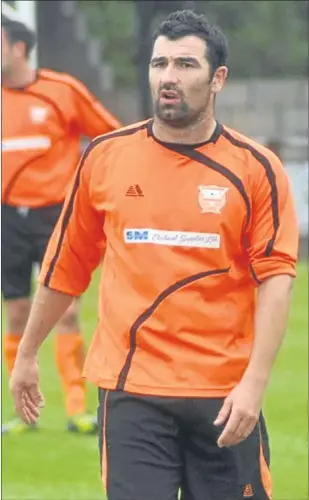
(266, 38)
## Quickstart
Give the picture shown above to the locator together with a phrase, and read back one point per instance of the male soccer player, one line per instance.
(198, 221)
(44, 116)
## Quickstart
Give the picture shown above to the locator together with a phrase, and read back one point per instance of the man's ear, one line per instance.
(219, 79)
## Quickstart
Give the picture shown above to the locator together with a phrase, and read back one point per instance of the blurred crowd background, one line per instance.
(107, 45)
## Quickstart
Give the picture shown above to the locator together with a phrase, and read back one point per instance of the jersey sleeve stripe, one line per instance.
(254, 275)
(68, 212)
(84, 93)
(70, 205)
(94, 100)
(122, 132)
(271, 177)
(11, 184)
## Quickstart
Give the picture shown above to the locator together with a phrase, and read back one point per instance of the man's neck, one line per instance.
(193, 134)
(19, 78)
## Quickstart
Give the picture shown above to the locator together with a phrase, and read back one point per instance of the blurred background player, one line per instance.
(45, 115)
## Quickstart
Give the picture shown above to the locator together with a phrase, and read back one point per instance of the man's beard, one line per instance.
(179, 115)
(6, 69)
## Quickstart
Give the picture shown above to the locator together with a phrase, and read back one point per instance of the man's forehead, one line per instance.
(191, 45)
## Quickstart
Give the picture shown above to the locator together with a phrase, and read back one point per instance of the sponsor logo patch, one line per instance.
(172, 238)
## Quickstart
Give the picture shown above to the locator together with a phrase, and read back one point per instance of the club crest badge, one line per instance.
(38, 114)
(212, 198)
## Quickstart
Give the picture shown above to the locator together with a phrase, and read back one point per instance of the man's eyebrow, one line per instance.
(188, 59)
(183, 59)
(158, 59)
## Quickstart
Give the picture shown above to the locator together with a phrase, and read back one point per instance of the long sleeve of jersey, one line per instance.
(77, 244)
(274, 230)
(92, 118)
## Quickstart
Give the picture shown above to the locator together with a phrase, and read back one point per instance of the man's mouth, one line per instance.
(169, 96)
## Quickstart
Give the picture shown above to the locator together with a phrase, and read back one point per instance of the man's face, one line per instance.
(12, 54)
(180, 83)
(6, 53)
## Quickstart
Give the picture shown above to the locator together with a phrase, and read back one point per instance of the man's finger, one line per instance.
(25, 408)
(245, 428)
(17, 392)
(21, 408)
(27, 418)
(41, 402)
(36, 396)
(27, 414)
(224, 413)
(228, 434)
(31, 407)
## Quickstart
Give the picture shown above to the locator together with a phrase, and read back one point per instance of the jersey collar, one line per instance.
(175, 145)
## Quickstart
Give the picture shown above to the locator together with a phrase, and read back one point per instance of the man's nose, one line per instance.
(169, 76)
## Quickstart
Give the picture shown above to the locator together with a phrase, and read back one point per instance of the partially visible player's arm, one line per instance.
(92, 118)
(273, 254)
(47, 308)
(73, 252)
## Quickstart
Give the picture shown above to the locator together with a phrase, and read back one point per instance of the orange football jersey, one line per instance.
(42, 126)
(189, 232)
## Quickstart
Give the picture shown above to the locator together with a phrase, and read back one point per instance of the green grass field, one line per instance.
(52, 465)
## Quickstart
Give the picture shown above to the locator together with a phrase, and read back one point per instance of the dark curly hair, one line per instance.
(187, 22)
(18, 32)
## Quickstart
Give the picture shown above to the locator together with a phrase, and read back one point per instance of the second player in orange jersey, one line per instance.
(45, 114)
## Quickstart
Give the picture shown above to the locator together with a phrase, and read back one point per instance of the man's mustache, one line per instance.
(171, 88)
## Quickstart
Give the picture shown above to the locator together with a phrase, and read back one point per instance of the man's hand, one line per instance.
(240, 412)
(24, 386)
(47, 308)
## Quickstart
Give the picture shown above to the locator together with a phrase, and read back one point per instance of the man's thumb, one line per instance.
(224, 412)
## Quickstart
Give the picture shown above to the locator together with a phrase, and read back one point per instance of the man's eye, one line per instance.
(185, 65)
(158, 64)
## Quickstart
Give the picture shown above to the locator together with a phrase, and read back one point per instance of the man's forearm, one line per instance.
(47, 308)
(273, 304)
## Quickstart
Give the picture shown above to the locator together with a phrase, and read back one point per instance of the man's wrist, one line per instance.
(27, 351)
(257, 377)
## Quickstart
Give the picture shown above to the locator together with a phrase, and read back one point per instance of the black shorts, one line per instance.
(24, 237)
(152, 448)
